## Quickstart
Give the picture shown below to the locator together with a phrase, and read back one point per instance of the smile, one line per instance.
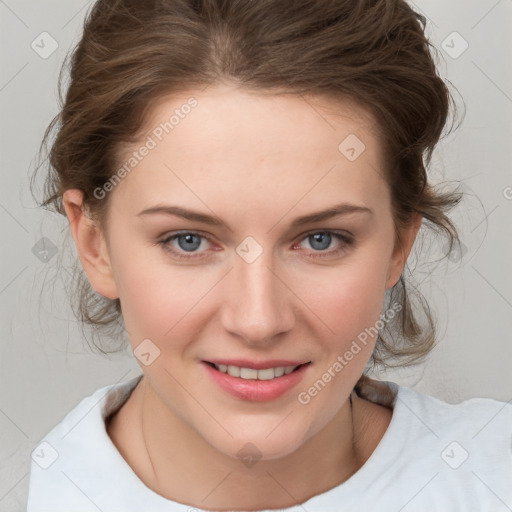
(253, 374)
(256, 384)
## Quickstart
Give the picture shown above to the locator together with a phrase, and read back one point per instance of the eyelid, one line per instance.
(164, 242)
(340, 232)
(168, 237)
(346, 238)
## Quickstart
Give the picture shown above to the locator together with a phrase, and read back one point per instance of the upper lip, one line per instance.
(256, 365)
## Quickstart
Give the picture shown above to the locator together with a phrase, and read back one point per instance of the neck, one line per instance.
(325, 460)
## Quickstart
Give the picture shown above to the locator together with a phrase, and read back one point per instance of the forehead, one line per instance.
(250, 146)
(234, 112)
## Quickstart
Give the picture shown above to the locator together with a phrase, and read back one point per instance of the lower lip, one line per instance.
(256, 390)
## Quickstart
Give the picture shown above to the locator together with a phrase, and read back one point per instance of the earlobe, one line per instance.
(402, 251)
(90, 244)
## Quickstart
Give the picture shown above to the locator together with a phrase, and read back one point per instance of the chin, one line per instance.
(269, 442)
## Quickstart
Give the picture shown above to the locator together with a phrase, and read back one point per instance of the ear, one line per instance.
(402, 250)
(90, 244)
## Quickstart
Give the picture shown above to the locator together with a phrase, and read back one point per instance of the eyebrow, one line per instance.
(333, 211)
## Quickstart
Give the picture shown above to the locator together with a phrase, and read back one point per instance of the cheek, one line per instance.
(156, 298)
(347, 299)
(161, 299)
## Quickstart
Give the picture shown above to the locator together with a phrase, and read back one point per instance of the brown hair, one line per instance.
(372, 52)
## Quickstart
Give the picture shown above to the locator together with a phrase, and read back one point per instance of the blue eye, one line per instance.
(188, 243)
(321, 240)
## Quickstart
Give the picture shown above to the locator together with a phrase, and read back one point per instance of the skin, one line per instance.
(256, 161)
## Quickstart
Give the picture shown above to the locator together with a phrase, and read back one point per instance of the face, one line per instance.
(247, 280)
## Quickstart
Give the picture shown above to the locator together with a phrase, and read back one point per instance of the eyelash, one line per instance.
(345, 238)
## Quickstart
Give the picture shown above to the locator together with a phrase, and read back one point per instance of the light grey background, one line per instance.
(46, 367)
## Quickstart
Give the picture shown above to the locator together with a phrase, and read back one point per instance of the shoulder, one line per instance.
(77, 450)
(480, 416)
(478, 426)
(465, 449)
(438, 456)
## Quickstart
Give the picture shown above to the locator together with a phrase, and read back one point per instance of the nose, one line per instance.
(257, 302)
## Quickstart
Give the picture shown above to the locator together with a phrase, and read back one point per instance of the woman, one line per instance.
(244, 182)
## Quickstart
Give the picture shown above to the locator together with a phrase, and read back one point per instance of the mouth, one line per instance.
(270, 381)
(247, 373)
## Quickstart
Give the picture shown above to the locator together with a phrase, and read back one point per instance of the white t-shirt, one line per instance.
(434, 456)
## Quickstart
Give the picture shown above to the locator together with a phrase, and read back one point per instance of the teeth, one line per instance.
(234, 371)
(252, 374)
(279, 371)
